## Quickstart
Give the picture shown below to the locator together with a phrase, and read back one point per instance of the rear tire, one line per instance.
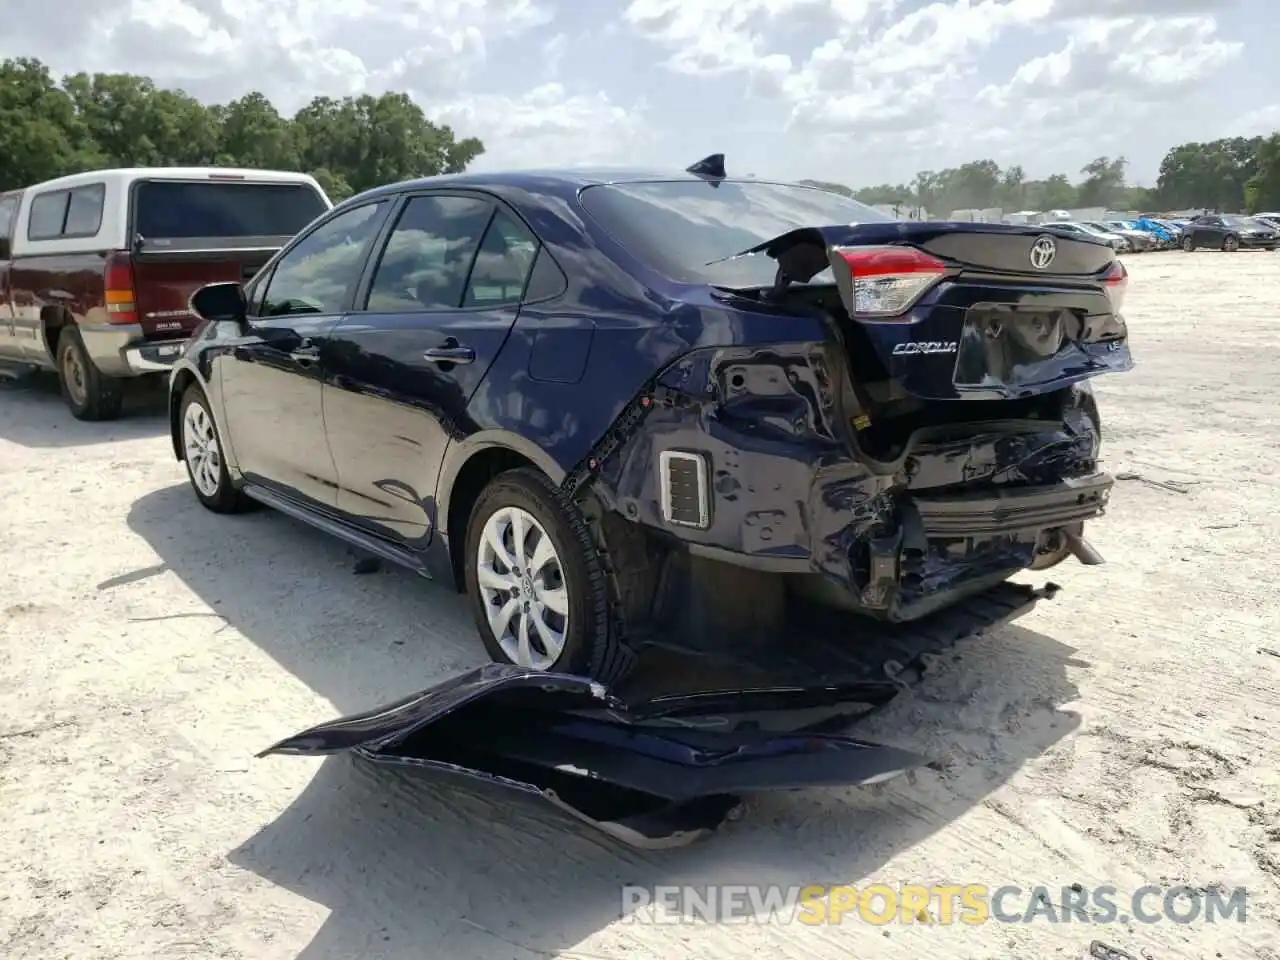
(89, 393)
(202, 453)
(536, 583)
(1188, 244)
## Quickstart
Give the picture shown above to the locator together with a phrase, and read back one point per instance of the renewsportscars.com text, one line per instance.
(881, 904)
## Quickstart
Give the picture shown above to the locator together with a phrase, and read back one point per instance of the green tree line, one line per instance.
(49, 128)
(1231, 175)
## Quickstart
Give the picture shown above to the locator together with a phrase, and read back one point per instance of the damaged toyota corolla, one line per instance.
(628, 407)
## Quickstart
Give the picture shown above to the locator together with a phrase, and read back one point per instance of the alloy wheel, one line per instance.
(200, 441)
(522, 585)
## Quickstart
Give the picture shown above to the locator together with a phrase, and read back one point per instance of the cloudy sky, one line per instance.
(856, 91)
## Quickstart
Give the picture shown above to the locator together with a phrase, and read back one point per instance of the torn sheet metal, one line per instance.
(657, 777)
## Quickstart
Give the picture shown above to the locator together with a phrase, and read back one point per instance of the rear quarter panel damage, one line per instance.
(790, 493)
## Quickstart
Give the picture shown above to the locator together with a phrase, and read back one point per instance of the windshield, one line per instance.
(679, 227)
(1089, 228)
(178, 209)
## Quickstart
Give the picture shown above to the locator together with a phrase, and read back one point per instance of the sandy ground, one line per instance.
(1122, 734)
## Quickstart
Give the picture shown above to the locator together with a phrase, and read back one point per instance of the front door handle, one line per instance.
(305, 353)
(450, 352)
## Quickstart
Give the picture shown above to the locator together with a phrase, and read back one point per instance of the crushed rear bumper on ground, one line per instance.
(667, 758)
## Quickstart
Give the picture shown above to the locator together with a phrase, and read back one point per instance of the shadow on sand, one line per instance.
(402, 866)
(33, 413)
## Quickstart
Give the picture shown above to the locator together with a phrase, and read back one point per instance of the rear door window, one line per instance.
(502, 265)
(429, 255)
(221, 209)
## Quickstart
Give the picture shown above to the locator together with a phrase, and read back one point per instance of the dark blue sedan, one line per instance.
(614, 407)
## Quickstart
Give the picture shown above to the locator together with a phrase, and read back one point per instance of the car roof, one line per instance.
(566, 178)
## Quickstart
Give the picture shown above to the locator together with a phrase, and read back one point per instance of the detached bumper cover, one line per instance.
(653, 778)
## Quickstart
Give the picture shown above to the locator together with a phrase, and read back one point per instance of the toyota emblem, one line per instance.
(1043, 251)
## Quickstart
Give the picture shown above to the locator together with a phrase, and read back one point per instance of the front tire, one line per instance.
(202, 454)
(89, 393)
(536, 582)
(1230, 244)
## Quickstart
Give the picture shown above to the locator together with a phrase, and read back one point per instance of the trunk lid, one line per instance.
(949, 311)
(993, 248)
(650, 775)
(187, 232)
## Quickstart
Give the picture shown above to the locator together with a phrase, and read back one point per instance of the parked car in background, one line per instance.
(1165, 236)
(1110, 238)
(1172, 227)
(1229, 231)
(96, 268)
(1139, 240)
(611, 407)
(1270, 219)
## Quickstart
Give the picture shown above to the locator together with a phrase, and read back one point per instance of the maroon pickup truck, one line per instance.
(96, 269)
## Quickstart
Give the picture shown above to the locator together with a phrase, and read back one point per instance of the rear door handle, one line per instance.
(450, 352)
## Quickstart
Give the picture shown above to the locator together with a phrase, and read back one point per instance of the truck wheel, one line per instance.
(88, 392)
(202, 453)
(536, 583)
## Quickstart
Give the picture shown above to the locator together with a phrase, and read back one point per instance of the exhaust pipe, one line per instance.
(1083, 550)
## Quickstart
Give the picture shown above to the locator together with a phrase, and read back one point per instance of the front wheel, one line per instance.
(1231, 244)
(202, 453)
(536, 582)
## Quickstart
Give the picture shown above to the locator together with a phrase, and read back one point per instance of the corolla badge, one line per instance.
(915, 348)
(1043, 251)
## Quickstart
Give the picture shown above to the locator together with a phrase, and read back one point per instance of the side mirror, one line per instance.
(221, 302)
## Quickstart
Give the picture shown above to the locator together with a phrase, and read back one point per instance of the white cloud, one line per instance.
(292, 50)
(917, 81)
(548, 126)
(850, 90)
(1260, 122)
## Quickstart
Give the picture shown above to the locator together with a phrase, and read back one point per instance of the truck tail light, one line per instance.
(121, 301)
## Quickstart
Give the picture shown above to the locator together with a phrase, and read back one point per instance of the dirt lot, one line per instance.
(1122, 734)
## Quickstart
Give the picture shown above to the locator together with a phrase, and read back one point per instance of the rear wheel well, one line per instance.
(474, 476)
(183, 380)
(52, 322)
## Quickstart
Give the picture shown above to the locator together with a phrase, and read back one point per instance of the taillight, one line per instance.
(122, 304)
(887, 280)
(1117, 283)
